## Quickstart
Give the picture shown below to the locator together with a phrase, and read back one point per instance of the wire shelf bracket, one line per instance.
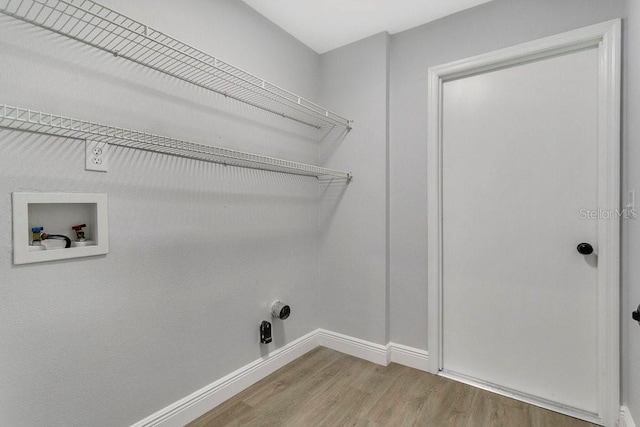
(91, 23)
(51, 124)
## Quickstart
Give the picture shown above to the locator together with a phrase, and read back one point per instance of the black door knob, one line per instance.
(585, 248)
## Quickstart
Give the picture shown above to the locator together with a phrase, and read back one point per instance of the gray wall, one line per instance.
(198, 250)
(353, 244)
(631, 229)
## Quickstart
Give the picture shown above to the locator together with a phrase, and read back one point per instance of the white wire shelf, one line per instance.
(98, 26)
(51, 124)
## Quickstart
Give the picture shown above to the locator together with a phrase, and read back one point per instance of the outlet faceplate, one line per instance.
(96, 156)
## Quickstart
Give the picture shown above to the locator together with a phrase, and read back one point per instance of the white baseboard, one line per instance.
(408, 356)
(200, 402)
(376, 353)
(625, 418)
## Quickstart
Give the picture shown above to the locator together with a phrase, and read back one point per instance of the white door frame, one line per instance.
(606, 36)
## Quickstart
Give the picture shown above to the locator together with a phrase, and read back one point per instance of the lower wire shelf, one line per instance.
(51, 124)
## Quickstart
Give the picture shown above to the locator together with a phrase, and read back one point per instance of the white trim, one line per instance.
(376, 353)
(609, 230)
(626, 420)
(606, 36)
(200, 402)
(524, 397)
(408, 356)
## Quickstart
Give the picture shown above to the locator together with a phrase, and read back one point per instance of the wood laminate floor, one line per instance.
(327, 388)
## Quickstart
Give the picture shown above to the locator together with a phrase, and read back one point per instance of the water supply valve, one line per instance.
(79, 232)
(36, 232)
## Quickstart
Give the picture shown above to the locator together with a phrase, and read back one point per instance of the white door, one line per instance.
(521, 187)
(519, 165)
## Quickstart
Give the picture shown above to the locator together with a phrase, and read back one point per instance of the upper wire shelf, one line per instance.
(98, 26)
(52, 124)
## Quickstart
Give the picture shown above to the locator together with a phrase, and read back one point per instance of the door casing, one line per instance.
(607, 38)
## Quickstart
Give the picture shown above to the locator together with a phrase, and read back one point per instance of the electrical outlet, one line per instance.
(96, 156)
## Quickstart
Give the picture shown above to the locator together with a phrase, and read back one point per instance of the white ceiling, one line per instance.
(324, 25)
